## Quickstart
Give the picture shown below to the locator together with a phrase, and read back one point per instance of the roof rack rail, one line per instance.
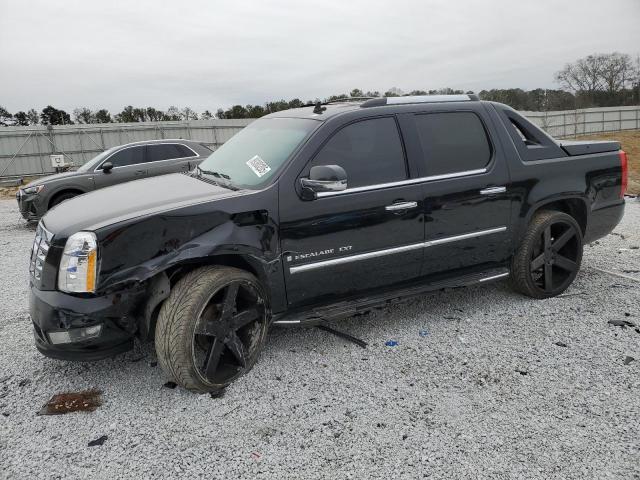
(348, 99)
(378, 102)
(338, 100)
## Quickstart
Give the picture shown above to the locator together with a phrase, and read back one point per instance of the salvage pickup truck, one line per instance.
(313, 214)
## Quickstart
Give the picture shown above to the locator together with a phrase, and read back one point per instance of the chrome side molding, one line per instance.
(390, 251)
(494, 277)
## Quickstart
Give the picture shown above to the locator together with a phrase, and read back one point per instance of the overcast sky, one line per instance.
(210, 54)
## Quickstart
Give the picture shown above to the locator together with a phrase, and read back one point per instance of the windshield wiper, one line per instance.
(220, 178)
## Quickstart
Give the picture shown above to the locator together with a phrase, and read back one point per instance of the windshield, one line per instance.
(91, 164)
(252, 156)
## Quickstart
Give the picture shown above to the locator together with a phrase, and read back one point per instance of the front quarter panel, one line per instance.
(246, 226)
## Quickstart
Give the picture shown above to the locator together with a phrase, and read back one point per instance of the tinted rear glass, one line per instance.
(165, 151)
(128, 156)
(452, 142)
(186, 151)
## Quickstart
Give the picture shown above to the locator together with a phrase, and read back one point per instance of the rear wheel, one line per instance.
(212, 328)
(549, 257)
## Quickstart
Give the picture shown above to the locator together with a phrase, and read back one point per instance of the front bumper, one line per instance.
(53, 311)
(28, 206)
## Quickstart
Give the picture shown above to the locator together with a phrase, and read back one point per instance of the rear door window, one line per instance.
(452, 142)
(370, 151)
(128, 156)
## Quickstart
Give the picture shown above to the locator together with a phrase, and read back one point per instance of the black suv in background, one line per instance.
(132, 161)
(318, 213)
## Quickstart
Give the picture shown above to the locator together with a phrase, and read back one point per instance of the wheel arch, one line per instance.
(161, 283)
(62, 191)
(575, 206)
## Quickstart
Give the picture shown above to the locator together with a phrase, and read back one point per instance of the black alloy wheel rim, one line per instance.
(555, 257)
(228, 332)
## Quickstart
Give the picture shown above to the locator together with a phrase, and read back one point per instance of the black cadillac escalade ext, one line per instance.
(312, 214)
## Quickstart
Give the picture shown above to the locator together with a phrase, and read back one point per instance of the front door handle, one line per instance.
(394, 207)
(493, 190)
(141, 172)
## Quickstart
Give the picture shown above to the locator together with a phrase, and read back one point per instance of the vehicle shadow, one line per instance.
(137, 371)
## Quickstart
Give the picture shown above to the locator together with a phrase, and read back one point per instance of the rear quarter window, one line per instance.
(166, 151)
(452, 142)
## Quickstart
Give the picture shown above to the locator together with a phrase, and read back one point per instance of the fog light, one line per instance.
(75, 334)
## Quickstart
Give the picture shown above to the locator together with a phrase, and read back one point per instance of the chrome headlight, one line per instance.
(77, 271)
(32, 190)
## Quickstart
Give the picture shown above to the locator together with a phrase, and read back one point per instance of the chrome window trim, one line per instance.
(389, 251)
(411, 181)
(144, 145)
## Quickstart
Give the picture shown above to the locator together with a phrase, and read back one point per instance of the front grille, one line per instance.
(41, 245)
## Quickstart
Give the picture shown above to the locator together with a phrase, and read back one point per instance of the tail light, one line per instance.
(625, 173)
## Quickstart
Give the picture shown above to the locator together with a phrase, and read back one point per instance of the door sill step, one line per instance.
(349, 308)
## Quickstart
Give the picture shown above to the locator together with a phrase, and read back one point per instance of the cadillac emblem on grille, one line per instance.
(39, 251)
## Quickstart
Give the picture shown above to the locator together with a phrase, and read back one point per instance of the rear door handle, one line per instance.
(493, 190)
(141, 172)
(394, 207)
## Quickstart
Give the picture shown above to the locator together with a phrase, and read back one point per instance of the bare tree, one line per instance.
(5, 116)
(584, 75)
(188, 114)
(617, 71)
(173, 113)
(83, 115)
(394, 92)
(33, 116)
(600, 74)
(103, 116)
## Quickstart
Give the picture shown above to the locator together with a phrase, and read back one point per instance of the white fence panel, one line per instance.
(569, 123)
(25, 151)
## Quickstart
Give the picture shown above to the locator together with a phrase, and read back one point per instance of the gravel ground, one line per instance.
(475, 387)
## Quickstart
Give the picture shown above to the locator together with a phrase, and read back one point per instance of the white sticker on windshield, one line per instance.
(258, 166)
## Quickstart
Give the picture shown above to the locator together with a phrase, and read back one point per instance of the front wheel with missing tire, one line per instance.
(549, 257)
(212, 328)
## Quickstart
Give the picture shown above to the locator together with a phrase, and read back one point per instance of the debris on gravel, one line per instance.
(315, 406)
(621, 323)
(98, 441)
(62, 403)
(628, 360)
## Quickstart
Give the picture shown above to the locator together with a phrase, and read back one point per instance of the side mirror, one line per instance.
(323, 178)
(107, 166)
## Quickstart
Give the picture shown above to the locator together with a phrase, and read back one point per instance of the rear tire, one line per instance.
(549, 257)
(211, 329)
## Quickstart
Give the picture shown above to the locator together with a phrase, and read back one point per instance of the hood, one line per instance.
(50, 178)
(125, 201)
